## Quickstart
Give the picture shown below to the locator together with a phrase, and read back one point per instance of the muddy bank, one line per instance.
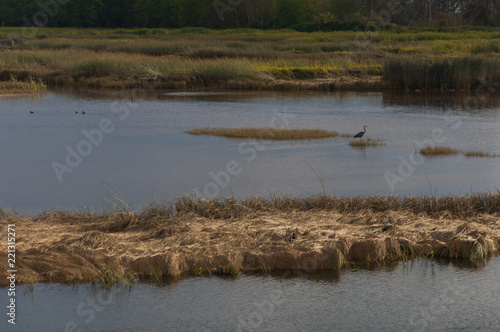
(197, 237)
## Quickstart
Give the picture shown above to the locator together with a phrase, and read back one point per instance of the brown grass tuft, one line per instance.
(363, 143)
(480, 154)
(438, 151)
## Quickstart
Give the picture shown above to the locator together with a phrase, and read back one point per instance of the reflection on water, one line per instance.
(147, 156)
(459, 100)
(417, 296)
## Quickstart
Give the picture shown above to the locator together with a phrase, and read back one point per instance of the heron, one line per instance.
(361, 133)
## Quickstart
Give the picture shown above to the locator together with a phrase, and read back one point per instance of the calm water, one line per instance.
(419, 296)
(136, 145)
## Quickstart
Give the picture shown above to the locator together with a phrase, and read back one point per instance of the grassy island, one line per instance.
(225, 236)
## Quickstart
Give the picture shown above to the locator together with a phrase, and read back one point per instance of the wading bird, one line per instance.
(361, 133)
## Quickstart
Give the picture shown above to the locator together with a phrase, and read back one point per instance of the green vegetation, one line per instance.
(411, 72)
(305, 15)
(266, 133)
(184, 59)
(14, 86)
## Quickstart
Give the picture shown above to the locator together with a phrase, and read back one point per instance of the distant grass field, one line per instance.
(193, 58)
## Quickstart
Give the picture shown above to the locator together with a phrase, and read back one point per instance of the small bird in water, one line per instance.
(31, 112)
(76, 112)
(83, 112)
(361, 133)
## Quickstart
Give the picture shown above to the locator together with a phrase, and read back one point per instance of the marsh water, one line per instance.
(416, 296)
(132, 148)
(134, 145)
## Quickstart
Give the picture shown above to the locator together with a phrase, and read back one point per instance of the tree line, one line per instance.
(303, 15)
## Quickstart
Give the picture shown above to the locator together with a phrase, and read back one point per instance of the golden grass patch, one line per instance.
(438, 151)
(368, 142)
(266, 133)
(226, 236)
(480, 154)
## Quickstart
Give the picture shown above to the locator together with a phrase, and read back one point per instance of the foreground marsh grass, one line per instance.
(250, 59)
(266, 133)
(225, 236)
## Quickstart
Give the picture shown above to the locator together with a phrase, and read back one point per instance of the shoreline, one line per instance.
(345, 83)
(207, 237)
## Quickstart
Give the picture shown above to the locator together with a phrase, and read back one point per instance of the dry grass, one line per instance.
(363, 143)
(266, 133)
(480, 154)
(438, 151)
(446, 151)
(225, 236)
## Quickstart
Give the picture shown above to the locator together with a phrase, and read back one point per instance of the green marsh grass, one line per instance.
(412, 72)
(251, 59)
(15, 86)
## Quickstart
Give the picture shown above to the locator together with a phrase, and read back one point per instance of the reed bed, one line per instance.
(412, 73)
(194, 236)
(266, 133)
(457, 206)
(14, 86)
